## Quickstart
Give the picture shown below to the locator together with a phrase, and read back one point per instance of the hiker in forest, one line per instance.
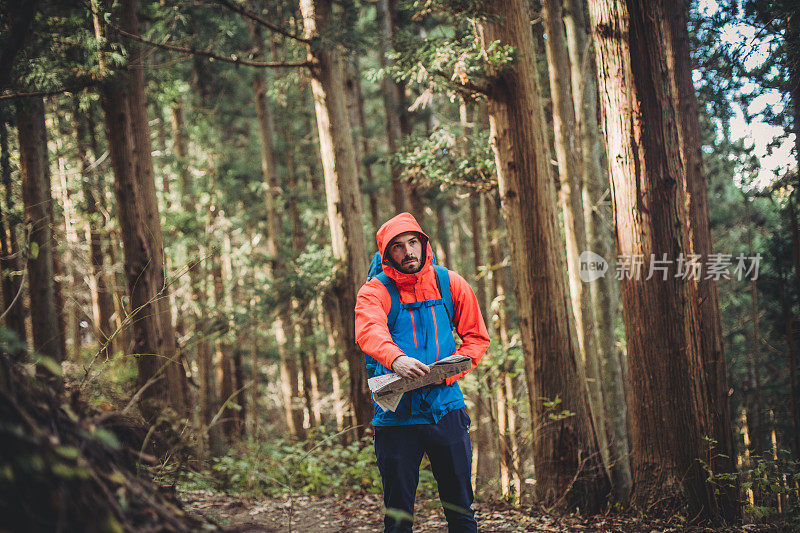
(405, 314)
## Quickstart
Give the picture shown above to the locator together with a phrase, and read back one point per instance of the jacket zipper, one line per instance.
(414, 329)
(435, 333)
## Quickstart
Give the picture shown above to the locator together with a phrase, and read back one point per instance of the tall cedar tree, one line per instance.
(102, 304)
(695, 192)
(570, 169)
(9, 247)
(140, 226)
(566, 459)
(283, 323)
(341, 191)
(600, 239)
(670, 404)
(35, 173)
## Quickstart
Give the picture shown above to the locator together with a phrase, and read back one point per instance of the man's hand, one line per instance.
(410, 368)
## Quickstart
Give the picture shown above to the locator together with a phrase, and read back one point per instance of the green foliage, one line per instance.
(770, 480)
(279, 466)
(320, 465)
(445, 159)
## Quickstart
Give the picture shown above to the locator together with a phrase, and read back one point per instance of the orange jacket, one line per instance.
(373, 303)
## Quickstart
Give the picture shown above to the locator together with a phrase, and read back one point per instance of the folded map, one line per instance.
(388, 389)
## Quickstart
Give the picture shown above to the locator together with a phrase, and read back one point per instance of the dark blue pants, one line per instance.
(399, 450)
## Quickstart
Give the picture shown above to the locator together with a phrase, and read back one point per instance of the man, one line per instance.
(404, 321)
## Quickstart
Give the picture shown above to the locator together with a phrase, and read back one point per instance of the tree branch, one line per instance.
(52, 92)
(463, 87)
(211, 55)
(260, 20)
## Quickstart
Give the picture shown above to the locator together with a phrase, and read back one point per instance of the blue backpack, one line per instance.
(442, 283)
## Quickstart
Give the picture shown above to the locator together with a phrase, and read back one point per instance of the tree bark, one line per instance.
(140, 226)
(305, 333)
(599, 239)
(570, 168)
(68, 237)
(35, 174)
(284, 322)
(356, 101)
(483, 431)
(102, 305)
(696, 197)
(391, 99)
(510, 461)
(9, 248)
(670, 404)
(143, 164)
(788, 335)
(756, 412)
(196, 266)
(788, 321)
(569, 472)
(343, 196)
(324, 321)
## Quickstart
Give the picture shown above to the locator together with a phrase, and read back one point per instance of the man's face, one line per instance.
(405, 250)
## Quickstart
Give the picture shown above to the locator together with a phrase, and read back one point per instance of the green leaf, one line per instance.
(108, 438)
(48, 363)
(67, 452)
(34, 250)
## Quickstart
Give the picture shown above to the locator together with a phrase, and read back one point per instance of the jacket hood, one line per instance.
(393, 227)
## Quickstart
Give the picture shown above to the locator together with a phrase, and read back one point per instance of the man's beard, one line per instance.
(410, 270)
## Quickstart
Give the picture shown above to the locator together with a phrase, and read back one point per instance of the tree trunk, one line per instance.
(143, 165)
(744, 460)
(140, 226)
(696, 197)
(669, 405)
(599, 239)
(444, 243)
(568, 470)
(284, 321)
(70, 319)
(510, 464)
(391, 99)
(478, 225)
(570, 168)
(305, 332)
(756, 414)
(324, 321)
(305, 336)
(789, 335)
(356, 101)
(102, 305)
(255, 360)
(196, 266)
(138, 253)
(343, 196)
(35, 174)
(794, 80)
(13, 303)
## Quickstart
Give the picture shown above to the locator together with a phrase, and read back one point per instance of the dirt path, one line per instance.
(352, 512)
(361, 513)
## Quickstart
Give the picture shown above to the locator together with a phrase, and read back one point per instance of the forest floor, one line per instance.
(362, 513)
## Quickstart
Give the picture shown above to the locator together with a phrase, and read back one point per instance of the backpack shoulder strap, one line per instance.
(391, 287)
(443, 283)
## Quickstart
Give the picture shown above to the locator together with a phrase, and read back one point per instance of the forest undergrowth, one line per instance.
(82, 459)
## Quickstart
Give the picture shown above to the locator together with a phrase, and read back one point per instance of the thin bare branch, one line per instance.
(252, 16)
(52, 92)
(211, 55)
